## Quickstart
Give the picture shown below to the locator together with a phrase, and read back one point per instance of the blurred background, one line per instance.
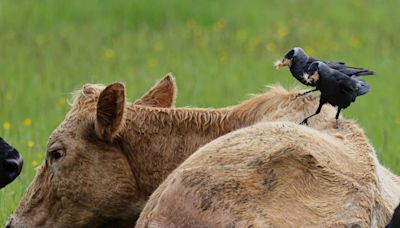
(219, 52)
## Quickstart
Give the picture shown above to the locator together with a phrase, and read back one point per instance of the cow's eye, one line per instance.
(56, 154)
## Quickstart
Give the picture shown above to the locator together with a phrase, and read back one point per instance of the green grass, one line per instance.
(219, 51)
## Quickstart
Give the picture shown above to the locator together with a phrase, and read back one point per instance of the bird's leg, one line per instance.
(307, 92)
(337, 117)
(321, 103)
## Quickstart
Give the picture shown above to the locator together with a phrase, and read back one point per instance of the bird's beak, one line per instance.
(312, 78)
(283, 63)
(306, 76)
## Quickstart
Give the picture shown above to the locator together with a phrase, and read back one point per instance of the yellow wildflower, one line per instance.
(282, 32)
(6, 125)
(8, 96)
(254, 42)
(27, 122)
(31, 143)
(62, 101)
(64, 33)
(191, 23)
(40, 40)
(35, 163)
(152, 62)
(40, 155)
(271, 47)
(354, 42)
(219, 25)
(109, 53)
(310, 50)
(223, 59)
(241, 35)
(397, 120)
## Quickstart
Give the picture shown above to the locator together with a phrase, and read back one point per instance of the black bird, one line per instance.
(336, 87)
(10, 163)
(395, 222)
(298, 62)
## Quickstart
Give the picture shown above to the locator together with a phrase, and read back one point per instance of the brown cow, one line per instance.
(279, 174)
(162, 94)
(107, 157)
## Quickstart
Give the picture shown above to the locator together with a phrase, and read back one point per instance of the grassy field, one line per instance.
(219, 51)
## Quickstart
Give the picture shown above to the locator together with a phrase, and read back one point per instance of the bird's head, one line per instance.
(312, 73)
(291, 56)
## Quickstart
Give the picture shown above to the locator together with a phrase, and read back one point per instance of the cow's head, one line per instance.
(86, 179)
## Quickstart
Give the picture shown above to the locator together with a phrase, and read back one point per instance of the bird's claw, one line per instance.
(301, 94)
(304, 122)
(306, 92)
(337, 125)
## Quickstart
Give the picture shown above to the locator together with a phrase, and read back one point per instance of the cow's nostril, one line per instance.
(8, 224)
(10, 165)
(12, 168)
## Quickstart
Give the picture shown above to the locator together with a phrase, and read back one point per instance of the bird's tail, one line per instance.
(364, 72)
(362, 85)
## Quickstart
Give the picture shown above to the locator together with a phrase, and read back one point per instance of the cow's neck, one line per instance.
(158, 140)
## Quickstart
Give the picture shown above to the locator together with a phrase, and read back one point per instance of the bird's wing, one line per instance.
(347, 86)
(353, 86)
(350, 71)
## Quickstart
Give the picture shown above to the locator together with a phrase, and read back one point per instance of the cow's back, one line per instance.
(274, 174)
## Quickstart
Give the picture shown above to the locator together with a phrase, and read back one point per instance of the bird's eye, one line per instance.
(56, 154)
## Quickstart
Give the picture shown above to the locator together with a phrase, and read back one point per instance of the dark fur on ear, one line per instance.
(162, 94)
(110, 111)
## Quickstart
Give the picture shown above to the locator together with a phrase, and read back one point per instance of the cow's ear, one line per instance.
(110, 111)
(162, 95)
